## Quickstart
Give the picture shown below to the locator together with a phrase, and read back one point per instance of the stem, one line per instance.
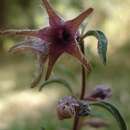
(83, 81)
(76, 122)
(83, 87)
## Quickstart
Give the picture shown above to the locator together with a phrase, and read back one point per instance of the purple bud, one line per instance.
(100, 92)
(66, 107)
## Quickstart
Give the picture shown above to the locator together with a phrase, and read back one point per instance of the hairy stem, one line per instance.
(83, 88)
(83, 81)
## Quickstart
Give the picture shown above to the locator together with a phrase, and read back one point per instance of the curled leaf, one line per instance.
(102, 43)
(58, 80)
(114, 111)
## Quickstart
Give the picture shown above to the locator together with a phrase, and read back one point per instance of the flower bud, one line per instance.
(66, 107)
(100, 92)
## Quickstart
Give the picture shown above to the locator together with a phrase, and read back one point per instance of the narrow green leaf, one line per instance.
(58, 80)
(114, 111)
(102, 43)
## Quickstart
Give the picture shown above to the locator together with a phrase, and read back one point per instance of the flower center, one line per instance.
(65, 35)
(61, 36)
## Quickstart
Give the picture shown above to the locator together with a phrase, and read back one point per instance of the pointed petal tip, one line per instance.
(76, 22)
(52, 60)
(40, 62)
(54, 18)
(86, 13)
(90, 10)
(14, 49)
(36, 80)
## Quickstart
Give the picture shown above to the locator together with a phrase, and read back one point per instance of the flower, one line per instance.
(58, 38)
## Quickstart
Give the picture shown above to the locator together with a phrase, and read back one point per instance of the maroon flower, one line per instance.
(59, 37)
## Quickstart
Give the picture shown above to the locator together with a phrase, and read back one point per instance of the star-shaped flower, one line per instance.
(52, 41)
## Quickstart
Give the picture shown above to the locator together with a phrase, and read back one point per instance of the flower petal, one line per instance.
(34, 45)
(38, 47)
(13, 32)
(75, 51)
(52, 60)
(45, 34)
(41, 60)
(54, 19)
(76, 22)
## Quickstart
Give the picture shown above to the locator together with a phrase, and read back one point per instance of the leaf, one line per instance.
(114, 111)
(102, 43)
(57, 80)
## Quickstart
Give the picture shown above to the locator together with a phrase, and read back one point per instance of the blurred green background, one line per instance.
(22, 108)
